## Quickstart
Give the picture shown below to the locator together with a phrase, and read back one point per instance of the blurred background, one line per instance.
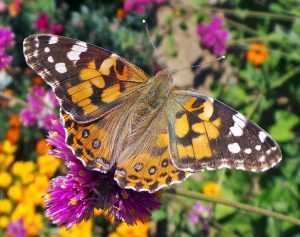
(259, 78)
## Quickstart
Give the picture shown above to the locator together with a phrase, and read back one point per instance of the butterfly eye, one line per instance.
(153, 93)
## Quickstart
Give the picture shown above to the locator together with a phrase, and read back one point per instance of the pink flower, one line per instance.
(57, 29)
(213, 36)
(139, 6)
(42, 22)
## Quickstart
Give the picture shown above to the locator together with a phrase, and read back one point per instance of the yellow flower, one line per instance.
(124, 230)
(257, 54)
(15, 192)
(23, 209)
(8, 147)
(84, 229)
(5, 179)
(6, 160)
(5, 206)
(36, 190)
(212, 189)
(24, 170)
(34, 224)
(4, 220)
(48, 165)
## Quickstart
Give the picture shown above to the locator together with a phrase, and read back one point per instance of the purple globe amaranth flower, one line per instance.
(139, 6)
(27, 116)
(73, 197)
(6, 40)
(41, 104)
(213, 36)
(200, 215)
(17, 228)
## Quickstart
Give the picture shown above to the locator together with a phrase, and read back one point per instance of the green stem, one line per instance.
(253, 14)
(285, 77)
(240, 26)
(256, 104)
(244, 207)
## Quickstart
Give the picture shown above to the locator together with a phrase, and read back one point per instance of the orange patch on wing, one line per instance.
(185, 151)
(162, 140)
(189, 105)
(92, 74)
(125, 74)
(201, 147)
(182, 126)
(208, 110)
(111, 93)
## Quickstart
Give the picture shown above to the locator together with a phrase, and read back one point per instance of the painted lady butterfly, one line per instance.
(151, 135)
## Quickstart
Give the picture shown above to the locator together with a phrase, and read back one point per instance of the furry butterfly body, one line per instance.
(149, 134)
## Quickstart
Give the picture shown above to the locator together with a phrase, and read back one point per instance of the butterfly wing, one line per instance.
(87, 80)
(146, 165)
(207, 134)
(95, 142)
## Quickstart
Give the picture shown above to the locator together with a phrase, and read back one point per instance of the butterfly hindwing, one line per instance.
(207, 134)
(87, 80)
(146, 165)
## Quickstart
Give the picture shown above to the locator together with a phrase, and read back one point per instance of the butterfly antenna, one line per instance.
(149, 36)
(201, 64)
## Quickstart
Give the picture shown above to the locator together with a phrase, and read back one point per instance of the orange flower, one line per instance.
(13, 134)
(257, 54)
(14, 7)
(212, 189)
(121, 13)
(37, 81)
(14, 120)
(42, 147)
(8, 92)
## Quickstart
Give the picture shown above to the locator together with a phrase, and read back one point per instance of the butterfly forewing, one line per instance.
(207, 134)
(88, 81)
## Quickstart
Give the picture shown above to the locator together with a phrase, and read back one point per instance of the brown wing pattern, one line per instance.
(88, 81)
(207, 134)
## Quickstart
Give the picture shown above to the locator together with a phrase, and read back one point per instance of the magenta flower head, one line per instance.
(139, 6)
(73, 197)
(213, 36)
(200, 215)
(6, 40)
(16, 228)
(41, 104)
(42, 22)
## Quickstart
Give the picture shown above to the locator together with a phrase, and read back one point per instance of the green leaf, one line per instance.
(282, 130)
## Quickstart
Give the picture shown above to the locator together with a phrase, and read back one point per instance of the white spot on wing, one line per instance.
(78, 48)
(53, 40)
(239, 124)
(50, 59)
(73, 55)
(47, 50)
(234, 148)
(262, 136)
(248, 151)
(258, 147)
(262, 158)
(60, 67)
(35, 53)
(83, 44)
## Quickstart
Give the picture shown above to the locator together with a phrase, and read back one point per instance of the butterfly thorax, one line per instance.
(147, 107)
